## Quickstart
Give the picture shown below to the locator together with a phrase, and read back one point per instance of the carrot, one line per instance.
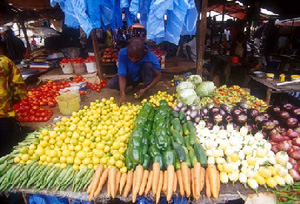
(90, 186)
(138, 177)
(156, 170)
(122, 182)
(193, 183)
(103, 179)
(197, 180)
(144, 182)
(112, 181)
(218, 181)
(175, 183)
(118, 178)
(128, 184)
(159, 186)
(108, 187)
(170, 180)
(149, 184)
(180, 182)
(165, 183)
(207, 185)
(213, 178)
(202, 178)
(185, 178)
(96, 179)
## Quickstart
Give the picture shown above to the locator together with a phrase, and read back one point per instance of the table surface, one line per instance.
(272, 85)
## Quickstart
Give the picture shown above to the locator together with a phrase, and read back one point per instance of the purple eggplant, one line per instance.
(292, 122)
(214, 110)
(266, 115)
(236, 126)
(242, 105)
(204, 111)
(206, 118)
(225, 108)
(236, 111)
(276, 109)
(217, 118)
(296, 112)
(209, 125)
(265, 134)
(260, 118)
(228, 118)
(288, 106)
(252, 113)
(222, 112)
(276, 122)
(242, 118)
(284, 114)
(281, 129)
(268, 125)
(209, 106)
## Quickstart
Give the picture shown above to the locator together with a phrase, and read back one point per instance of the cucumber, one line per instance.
(187, 141)
(192, 156)
(190, 126)
(187, 158)
(182, 116)
(185, 129)
(179, 151)
(174, 114)
(200, 154)
(176, 125)
(192, 137)
(177, 137)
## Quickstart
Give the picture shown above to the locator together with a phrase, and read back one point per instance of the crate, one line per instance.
(109, 68)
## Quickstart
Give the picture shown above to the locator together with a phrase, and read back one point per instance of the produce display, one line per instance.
(288, 194)
(110, 55)
(162, 95)
(158, 52)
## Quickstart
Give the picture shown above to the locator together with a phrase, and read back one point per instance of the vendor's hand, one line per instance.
(140, 93)
(122, 99)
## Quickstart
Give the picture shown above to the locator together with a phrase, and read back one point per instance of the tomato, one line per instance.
(51, 104)
(82, 92)
(98, 90)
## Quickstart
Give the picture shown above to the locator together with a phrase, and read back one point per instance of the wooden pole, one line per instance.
(201, 38)
(222, 28)
(25, 34)
(97, 54)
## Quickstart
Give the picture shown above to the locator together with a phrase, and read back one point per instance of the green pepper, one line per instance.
(145, 149)
(158, 159)
(146, 161)
(169, 158)
(136, 141)
(136, 155)
(128, 163)
(153, 151)
(151, 139)
(163, 103)
(162, 140)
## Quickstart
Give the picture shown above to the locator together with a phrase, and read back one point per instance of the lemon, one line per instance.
(75, 167)
(70, 160)
(123, 169)
(17, 160)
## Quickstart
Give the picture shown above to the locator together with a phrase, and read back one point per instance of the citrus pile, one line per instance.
(162, 95)
(93, 135)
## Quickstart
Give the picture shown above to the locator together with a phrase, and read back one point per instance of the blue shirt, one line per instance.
(132, 69)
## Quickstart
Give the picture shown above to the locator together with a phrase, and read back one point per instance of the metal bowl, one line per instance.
(259, 74)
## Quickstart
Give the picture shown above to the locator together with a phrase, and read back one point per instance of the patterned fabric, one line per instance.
(12, 87)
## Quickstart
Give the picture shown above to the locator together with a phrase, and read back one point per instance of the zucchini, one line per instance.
(187, 158)
(192, 156)
(179, 151)
(200, 154)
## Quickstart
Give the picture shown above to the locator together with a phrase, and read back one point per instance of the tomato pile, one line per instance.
(78, 60)
(90, 59)
(97, 87)
(66, 61)
(110, 55)
(158, 52)
(29, 110)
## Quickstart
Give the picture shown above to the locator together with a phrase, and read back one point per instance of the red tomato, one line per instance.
(82, 92)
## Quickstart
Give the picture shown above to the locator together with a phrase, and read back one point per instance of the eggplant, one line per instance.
(242, 105)
(250, 127)
(205, 111)
(176, 109)
(193, 107)
(217, 118)
(236, 111)
(288, 106)
(188, 117)
(184, 108)
(222, 112)
(296, 112)
(242, 118)
(266, 115)
(268, 125)
(260, 118)
(209, 106)
(276, 109)
(228, 118)
(284, 114)
(209, 125)
(292, 122)
(280, 129)
(180, 104)
(236, 126)
(252, 113)
(206, 118)
(225, 108)
(197, 119)
(214, 110)
(276, 122)
(194, 113)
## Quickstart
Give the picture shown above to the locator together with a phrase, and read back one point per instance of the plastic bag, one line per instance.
(175, 200)
(80, 202)
(42, 199)
(142, 200)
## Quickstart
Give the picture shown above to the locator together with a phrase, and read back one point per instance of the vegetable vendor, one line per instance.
(12, 89)
(136, 64)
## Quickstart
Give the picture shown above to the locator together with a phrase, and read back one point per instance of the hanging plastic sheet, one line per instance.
(134, 7)
(175, 21)
(144, 11)
(189, 25)
(124, 4)
(110, 14)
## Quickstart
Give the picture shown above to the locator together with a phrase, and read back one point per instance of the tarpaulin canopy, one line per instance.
(105, 14)
(288, 22)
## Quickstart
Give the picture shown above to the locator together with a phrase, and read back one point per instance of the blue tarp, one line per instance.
(105, 14)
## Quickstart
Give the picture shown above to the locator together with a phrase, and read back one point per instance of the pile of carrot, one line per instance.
(191, 181)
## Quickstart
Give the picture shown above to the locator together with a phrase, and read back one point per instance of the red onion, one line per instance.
(291, 133)
(292, 161)
(296, 141)
(275, 148)
(294, 174)
(295, 154)
(286, 138)
(276, 137)
(283, 146)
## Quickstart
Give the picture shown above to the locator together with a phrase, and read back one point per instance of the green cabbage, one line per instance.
(205, 89)
(188, 96)
(195, 79)
(184, 85)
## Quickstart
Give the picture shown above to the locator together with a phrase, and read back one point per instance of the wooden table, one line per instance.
(273, 88)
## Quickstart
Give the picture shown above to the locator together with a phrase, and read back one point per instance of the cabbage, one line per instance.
(195, 79)
(205, 89)
(184, 85)
(187, 96)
